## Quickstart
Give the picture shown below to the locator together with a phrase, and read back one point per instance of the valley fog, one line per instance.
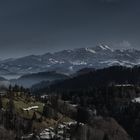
(10, 76)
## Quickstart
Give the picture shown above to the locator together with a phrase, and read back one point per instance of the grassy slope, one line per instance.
(20, 102)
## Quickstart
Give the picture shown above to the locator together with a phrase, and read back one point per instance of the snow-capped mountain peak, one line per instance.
(90, 50)
(108, 48)
(102, 47)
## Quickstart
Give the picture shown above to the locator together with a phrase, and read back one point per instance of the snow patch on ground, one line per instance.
(30, 108)
(79, 63)
(136, 100)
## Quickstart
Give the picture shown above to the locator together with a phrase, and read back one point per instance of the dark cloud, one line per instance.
(114, 1)
(33, 26)
(109, 0)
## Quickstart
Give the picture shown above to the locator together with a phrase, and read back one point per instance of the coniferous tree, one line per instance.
(1, 106)
(34, 116)
(106, 137)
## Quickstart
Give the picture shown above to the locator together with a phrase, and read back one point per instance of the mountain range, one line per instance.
(70, 61)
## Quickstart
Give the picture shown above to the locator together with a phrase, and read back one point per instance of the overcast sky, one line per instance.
(40, 26)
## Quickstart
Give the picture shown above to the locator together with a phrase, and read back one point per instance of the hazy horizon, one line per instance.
(54, 51)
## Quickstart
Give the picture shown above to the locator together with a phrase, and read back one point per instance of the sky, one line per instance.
(40, 26)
